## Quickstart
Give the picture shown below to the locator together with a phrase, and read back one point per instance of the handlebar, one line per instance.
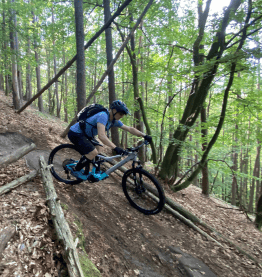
(135, 149)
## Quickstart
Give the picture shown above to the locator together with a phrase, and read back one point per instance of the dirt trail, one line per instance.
(119, 240)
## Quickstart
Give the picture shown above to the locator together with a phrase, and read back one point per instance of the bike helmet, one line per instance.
(119, 106)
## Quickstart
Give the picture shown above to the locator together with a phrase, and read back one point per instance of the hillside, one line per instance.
(119, 240)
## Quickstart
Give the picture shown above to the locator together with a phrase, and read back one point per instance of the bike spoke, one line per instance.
(139, 188)
(63, 159)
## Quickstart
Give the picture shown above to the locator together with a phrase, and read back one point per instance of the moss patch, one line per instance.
(80, 234)
(88, 268)
(64, 206)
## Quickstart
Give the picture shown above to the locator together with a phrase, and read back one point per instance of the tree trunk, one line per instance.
(80, 58)
(56, 83)
(37, 69)
(258, 187)
(235, 168)
(200, 87)
(4, 49)
(256, 173)
(66, 91)
(205, 179)
(51, 104)
(111, 74)
(2, 82)
(15, 88)
(19, 70)
(258, 219)
(28, 94)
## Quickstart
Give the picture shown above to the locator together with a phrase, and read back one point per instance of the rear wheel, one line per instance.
(60, 157)
(143, 191)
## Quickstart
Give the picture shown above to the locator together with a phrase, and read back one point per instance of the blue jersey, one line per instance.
(91, 124)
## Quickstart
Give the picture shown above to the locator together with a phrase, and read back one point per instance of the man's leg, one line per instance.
(86, 148)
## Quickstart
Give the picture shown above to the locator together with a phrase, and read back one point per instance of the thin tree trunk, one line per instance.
(19, 73)
(66, 91)
(37, 69)
(28, 94)
(80, 59)
(256, 173)
(205, 179)
(258, 219)
(51, 104)
(15, 87)
(56, 83)
(235, 168)
(4, 49)
(111, 74)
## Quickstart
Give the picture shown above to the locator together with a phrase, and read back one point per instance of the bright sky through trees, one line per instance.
(218, 5)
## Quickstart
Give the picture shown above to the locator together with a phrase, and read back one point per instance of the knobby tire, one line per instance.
(138, 185)
(56, 159)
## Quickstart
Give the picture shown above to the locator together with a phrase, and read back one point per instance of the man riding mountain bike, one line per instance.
(82, 133)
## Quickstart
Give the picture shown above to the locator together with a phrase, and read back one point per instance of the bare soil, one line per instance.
(119, 240)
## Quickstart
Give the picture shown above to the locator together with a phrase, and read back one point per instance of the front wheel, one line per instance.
(143, 191)
(60, 157)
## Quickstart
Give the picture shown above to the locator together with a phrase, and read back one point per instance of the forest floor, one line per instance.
(118, 239)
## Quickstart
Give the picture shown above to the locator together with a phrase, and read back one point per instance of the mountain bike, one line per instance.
(142, 189)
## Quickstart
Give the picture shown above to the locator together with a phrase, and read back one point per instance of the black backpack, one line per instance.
(89, 111)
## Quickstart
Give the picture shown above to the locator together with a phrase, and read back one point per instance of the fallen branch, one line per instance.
(182, 214)
(4, 189)
(61, 226)
(5, 237)
(175, 213)
(16, 155)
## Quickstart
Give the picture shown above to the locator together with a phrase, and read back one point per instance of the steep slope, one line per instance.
(118, 239)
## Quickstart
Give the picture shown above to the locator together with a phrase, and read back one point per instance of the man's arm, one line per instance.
(101, 130)
(132, 131)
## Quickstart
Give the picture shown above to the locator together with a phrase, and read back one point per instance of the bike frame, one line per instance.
(131, 156)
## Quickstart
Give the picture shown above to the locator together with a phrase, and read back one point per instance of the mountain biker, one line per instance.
(99, 124)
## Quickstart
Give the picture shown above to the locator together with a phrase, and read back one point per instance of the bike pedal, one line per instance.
(92, 179)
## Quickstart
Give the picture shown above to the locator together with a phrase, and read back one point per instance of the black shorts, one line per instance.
(83, 144)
